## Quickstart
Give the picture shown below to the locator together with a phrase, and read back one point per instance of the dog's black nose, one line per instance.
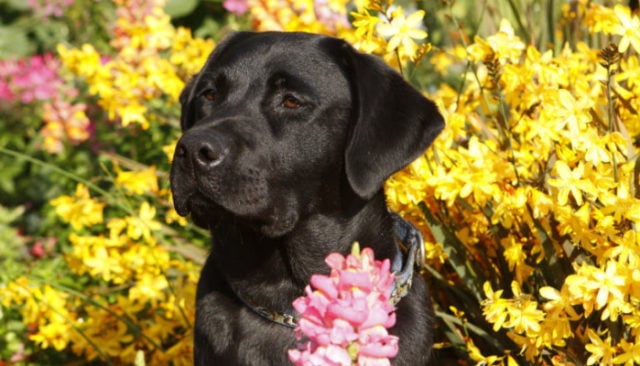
(203, 153)
(209, 154)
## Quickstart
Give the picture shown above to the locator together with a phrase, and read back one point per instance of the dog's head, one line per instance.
(277, 124)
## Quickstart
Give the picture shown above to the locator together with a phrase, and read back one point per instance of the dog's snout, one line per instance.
(204, 153)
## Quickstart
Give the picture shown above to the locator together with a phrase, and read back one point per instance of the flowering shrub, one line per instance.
(345, 319)
(530, 195)
(529, 199)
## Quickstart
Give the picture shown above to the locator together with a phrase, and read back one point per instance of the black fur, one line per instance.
(288, 138)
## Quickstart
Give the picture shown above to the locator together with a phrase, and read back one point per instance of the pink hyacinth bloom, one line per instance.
(345, 316)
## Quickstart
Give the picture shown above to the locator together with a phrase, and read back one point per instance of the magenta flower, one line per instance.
(345, 317)
(37, 80)
(29, 80)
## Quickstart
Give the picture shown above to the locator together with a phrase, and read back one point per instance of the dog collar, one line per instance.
(409, 255)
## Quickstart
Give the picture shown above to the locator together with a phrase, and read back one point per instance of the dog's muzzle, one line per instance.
(199, 160)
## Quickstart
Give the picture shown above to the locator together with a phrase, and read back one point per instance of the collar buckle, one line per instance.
(410, 255)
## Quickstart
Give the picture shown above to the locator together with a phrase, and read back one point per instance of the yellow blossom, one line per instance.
(630, 354)
(169, 150)
(628, 27)
(80, 210)
(138, 182)
(98, 257)
(54, 321)
(143, 224)
(402, 33)
(476, 354)
(601, 351)
(366, 39)
(505, 44)
(571, 181)
(516, 257)
(148, 288)
(598, 289)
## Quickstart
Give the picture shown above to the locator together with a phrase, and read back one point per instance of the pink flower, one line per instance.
(345, 316)
(30, 79)
(47, 8)
(330, 16)
(237, 7)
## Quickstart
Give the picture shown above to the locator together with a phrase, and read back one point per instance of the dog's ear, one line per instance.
(186, 112)
(394, 123)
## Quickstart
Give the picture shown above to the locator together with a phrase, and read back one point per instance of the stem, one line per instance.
(516, 14)
(611, 117)
(74, 177)
(551, 23)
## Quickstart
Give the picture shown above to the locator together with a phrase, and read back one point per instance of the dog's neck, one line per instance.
(274, 271)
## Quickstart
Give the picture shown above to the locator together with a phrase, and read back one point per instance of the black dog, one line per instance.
(288, 138)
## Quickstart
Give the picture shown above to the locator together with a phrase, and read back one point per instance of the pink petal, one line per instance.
(335, 260)
(379, 316)
(338, 355)
(368, 361)
(388, 348)
(355, 279)
(353, 312)
(325, 284)
(342, 333)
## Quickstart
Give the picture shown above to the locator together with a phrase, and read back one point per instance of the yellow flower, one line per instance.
(476, 354)
(601, 351)
(169, 150)
(80, 210)
(628, 27)
(188, 53)
(630, 353)
(516, 257)
(99, 257)
(597, 289)
(494, 307)
(131, 112)
(141, 226)
(521, 313)
(570, 181)
(84, 61)
(138, 182)
(505, 44)
(402, 32)
(366, 38)
(148, 288)
(56, 321)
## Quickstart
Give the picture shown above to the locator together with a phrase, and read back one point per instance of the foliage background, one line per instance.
(528, 199)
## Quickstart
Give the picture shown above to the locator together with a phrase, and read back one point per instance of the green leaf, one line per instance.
(180, 8)
(14, 42)
(21, 5)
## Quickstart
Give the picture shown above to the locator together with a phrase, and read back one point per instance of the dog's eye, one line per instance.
(209, 94)
(291, 102)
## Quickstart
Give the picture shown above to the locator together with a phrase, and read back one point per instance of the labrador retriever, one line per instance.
(287, 140)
